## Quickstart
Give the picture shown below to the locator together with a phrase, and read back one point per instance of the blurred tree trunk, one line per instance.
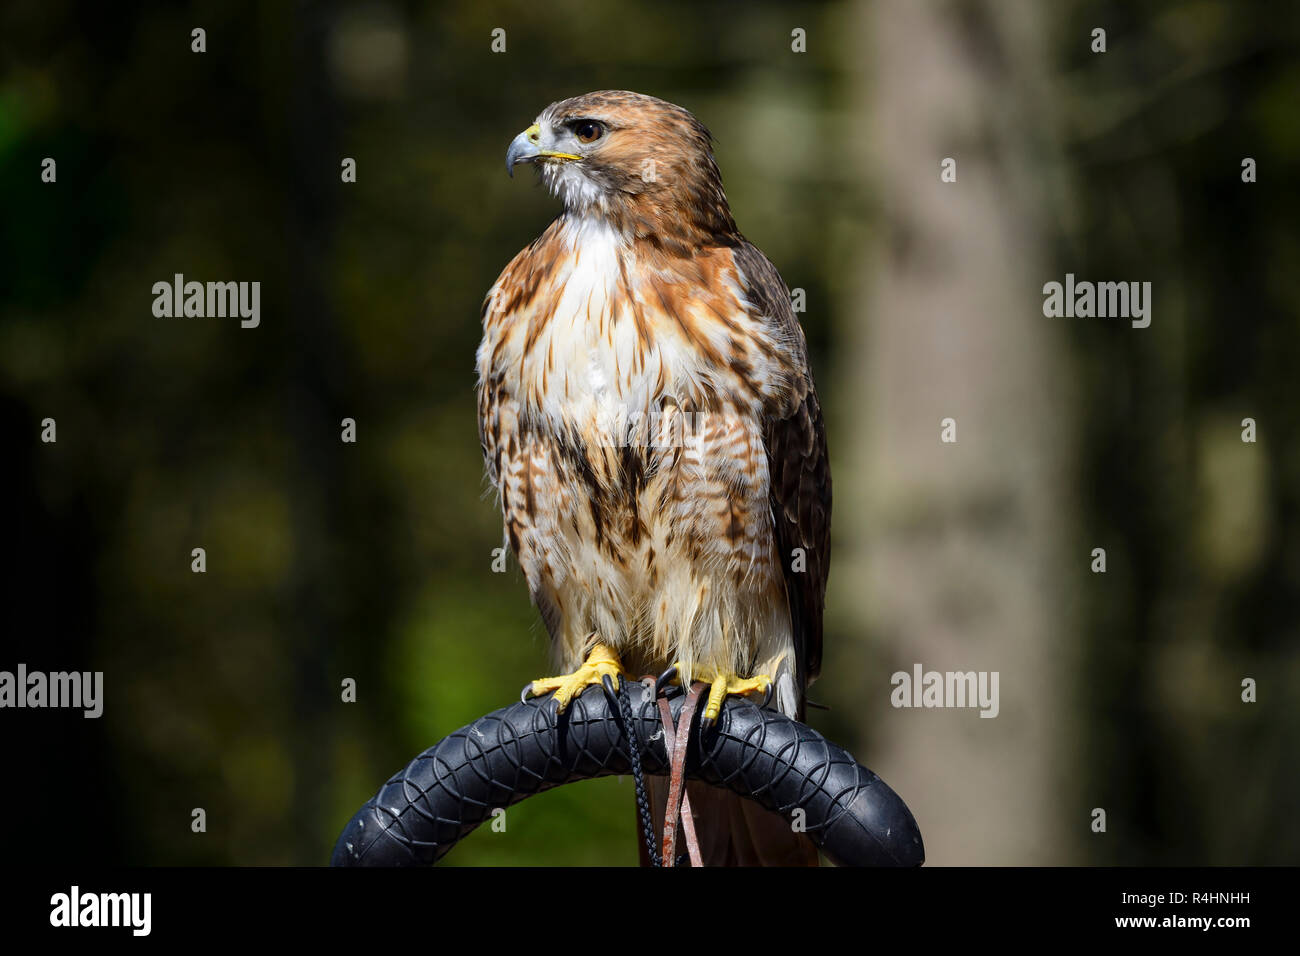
(965, 548)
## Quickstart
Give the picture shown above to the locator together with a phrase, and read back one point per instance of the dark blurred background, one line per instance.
(372, 560)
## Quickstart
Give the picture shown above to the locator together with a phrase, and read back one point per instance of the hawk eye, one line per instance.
(587, 131)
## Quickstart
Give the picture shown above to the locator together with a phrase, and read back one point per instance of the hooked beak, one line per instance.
(526, 148)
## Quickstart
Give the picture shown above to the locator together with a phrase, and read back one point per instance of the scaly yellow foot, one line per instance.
(601, 662)
(726, 684)
(720, 687)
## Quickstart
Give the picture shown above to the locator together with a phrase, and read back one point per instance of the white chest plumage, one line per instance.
(588, 363)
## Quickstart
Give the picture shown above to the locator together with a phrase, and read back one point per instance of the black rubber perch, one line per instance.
(520, 750)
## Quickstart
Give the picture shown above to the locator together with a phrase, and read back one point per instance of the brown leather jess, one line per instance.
(676, 741)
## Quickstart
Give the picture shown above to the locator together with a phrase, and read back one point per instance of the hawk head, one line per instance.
(642, 164)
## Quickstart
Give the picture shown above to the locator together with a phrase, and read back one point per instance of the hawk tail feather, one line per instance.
(733, 831)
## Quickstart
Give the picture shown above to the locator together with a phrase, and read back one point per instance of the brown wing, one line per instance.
(799, 471)
(801, 506)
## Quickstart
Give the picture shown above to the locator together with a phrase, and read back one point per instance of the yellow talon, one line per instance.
(726, 684)
(601, 662)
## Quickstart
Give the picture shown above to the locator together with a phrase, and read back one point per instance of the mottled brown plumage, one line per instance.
(648, 416)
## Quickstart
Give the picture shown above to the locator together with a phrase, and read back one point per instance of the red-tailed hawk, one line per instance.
(649, 421)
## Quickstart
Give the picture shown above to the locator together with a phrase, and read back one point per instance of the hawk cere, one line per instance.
(702, 542)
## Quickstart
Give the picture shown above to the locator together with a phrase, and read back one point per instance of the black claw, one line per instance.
(611, 695)
(767, 696)
(706, 724)
(664, 679)
(526, 693)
